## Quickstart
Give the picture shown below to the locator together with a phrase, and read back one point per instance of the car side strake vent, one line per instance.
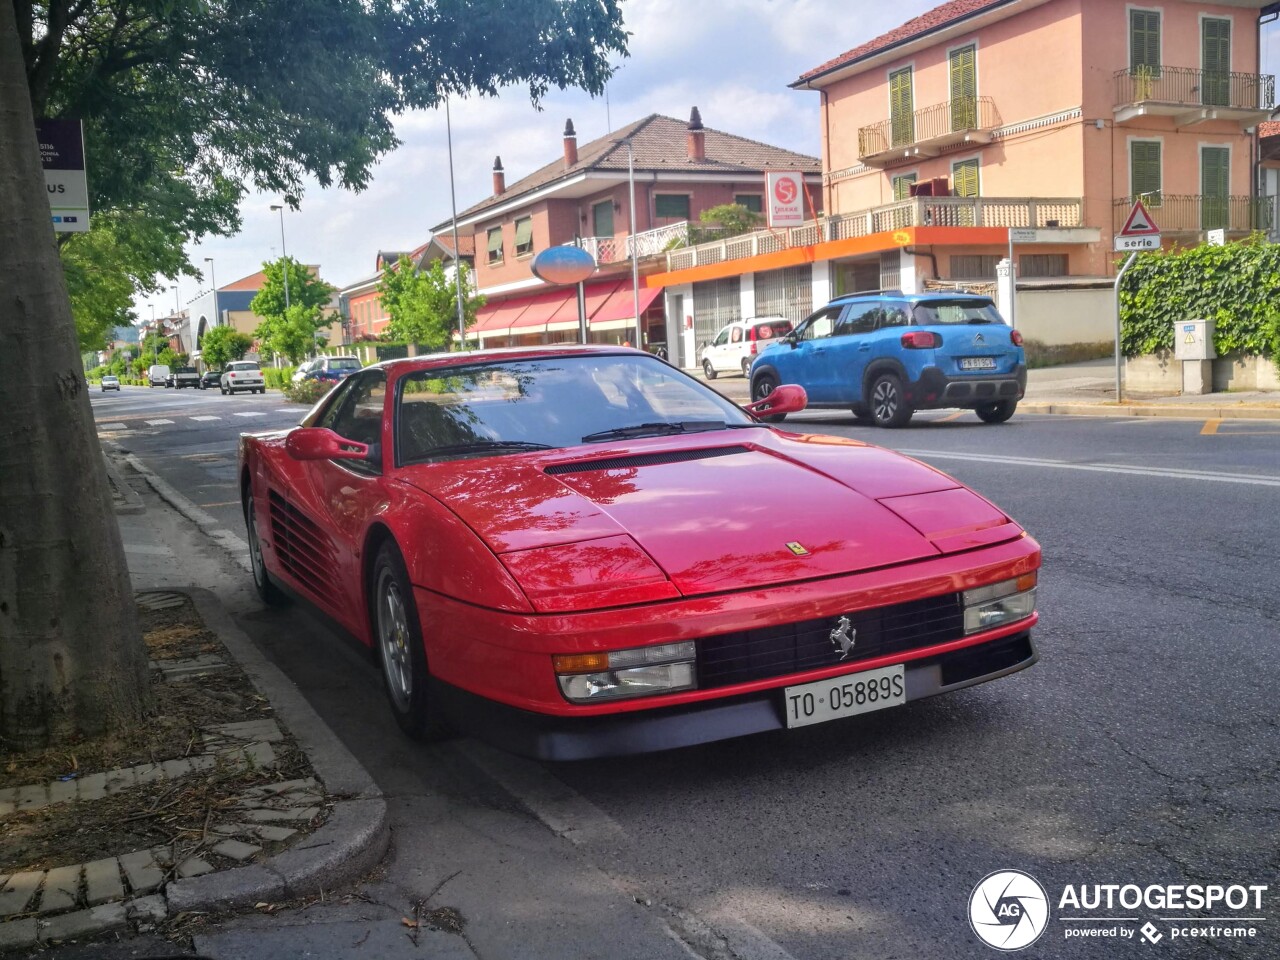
(647, 460)
(302, 549)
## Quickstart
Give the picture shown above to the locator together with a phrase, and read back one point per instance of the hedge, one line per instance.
(277, 377)
(1236, 285)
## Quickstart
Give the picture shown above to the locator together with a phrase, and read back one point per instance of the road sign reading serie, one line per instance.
(1139, 231)
(784, 198)
(62, 156)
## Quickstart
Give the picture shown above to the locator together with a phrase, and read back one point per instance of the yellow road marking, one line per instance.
(227, 503)
(951, 416)
(1210, 427)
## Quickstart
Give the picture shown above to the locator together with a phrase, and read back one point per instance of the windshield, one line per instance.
(242, 367)
(495, 408)
(934, 312)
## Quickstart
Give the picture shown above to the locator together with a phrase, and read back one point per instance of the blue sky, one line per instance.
(732, 58)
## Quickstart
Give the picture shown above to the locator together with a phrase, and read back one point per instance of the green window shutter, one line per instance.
(964, 88)
(901, 100)
(524, 236)
(602, 219)
(671, 205)
(1215, 44)
(964, 179)
(1144, 42)
(1145, 172)
(902, 186)
(1215, 187)
(495, 244)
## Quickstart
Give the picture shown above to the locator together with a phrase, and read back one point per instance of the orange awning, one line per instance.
(596, 294)
(621, 306)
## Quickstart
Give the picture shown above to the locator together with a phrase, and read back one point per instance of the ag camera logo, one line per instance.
(1008, 910)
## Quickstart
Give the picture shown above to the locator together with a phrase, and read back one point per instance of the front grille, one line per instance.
(777, 651)
(643, 460)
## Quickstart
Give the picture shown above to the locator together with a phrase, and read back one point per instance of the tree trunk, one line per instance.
(71, 657)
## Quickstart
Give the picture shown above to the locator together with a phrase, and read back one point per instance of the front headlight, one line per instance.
(999, 603)
(637, 672)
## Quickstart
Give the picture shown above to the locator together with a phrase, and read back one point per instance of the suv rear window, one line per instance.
(344, 363)
(768, 331)
(243, 367)
(935, 312)
(185, 370)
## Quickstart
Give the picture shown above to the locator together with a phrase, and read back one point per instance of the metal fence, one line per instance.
(928, 123)
(1193, 213)
(1192, 87)
(648, 243)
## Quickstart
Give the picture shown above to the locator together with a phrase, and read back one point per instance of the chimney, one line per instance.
(499, 178)
(570, 145)
(697, 137)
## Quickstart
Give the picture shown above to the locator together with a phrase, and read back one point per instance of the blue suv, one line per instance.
(885, 355)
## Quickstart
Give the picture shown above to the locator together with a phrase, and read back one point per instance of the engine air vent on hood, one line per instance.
(645, 460)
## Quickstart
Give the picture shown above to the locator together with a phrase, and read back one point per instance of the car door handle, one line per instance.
(864, 346)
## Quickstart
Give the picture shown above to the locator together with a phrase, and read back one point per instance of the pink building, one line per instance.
(1045, 117)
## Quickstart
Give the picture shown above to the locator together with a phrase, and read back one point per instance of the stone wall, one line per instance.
(1160, 373)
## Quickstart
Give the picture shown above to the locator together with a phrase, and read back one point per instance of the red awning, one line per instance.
(621, 306)
(500, 316)
(595, 293)
(541, 308)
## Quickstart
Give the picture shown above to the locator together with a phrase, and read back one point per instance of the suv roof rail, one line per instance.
(893, 292)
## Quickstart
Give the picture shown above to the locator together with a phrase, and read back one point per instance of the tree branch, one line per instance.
(40, 72)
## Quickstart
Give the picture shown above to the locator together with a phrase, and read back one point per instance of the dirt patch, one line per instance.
(167, 813)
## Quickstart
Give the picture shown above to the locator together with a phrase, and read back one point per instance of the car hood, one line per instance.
(722, 511)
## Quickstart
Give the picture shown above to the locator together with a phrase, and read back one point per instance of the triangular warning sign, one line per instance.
(1139, 223)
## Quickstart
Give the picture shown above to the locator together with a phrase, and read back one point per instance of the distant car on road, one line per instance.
(211, 378)
(330, 369)
(886, 355)
(158, 375)
(737, 344)
(242, 375)
(184, 377)
(110, 382)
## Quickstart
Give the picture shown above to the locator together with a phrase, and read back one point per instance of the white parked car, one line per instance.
(242, 375)
(737, 344)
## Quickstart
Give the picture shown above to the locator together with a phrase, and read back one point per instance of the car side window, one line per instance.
(820, 324)
(735, 335)
(895, 315)
(863, 318)
(358, 415)
(721, 338)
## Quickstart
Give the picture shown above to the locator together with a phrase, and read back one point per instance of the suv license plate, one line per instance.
(977, 363)
(845, 696)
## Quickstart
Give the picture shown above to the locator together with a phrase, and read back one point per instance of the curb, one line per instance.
(125, 499)
(1187, 411)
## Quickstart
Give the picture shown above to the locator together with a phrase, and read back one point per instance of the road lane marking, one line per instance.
(951, 416)
(250, 413)
(113, 426)
(156, 423)
(1210, 427)
(206, 418)
(1121, 468)
(224, 503)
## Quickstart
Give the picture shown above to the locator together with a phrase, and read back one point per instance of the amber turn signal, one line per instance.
(580, 662)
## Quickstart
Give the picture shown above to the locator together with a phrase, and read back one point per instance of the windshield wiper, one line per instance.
(480, 446)
(662, 429)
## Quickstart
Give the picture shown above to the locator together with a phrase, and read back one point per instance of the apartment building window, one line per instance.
(1215, 59)
(524, 236)
(964, 178)
(671, 206)
(1144, 43)
(495, 244)
(964, 88)
(902, 186)
(902, 122)
(1215, 187)
(1145, 171)
(752, 201)
(890, 270)
(1039, 265)
(602, 219)
(974, 266)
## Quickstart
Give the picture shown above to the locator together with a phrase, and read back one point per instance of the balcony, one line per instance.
(1196, 213)
(650, 243)
(1048, 212)
(926, 132)
(1193, 96)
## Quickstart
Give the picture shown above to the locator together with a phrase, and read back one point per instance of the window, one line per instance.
(602, 219)
(1215, 187)
(1144, 44)
(524, 236)
(861, 318)
(964, 88)
(1215, 59)
(1145, 171)
(964, 178)
(785, 293)
(358, 415)
(902, 186)
(752, 201)
(671, 206)
(820, 325)
(1034, 265)
(495, 245)
(901, 103)
(735, 335)
(974, 266)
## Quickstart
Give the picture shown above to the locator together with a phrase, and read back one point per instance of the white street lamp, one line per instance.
(284, 256)
(631, 242)
(457, 251)
(213, 278)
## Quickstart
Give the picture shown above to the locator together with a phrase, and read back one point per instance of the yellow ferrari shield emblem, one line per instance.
(798, 549)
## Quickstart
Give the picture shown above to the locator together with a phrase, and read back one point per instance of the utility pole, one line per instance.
(284, 256)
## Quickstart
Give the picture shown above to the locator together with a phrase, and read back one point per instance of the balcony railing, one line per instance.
(934, 127)
(916, 212)
(650, 243)
(1195, 213)
(1189, 88)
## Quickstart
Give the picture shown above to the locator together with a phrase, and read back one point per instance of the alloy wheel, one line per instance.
(393, 640)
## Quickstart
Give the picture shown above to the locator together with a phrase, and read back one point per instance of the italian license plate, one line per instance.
(845, 696)
(977, 363)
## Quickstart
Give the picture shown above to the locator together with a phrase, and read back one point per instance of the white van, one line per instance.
(737, 344)
(158, 375)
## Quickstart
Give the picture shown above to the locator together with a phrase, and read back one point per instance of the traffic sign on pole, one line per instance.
(1139, 222)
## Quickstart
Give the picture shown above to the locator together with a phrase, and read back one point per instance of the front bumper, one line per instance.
(937, 389)
(548, 737)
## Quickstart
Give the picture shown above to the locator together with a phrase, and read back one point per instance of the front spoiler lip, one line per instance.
(556, 737)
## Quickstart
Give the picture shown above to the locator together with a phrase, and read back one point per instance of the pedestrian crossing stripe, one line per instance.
(157, 423)
(250, 413)
(113, 426)
(206, 418)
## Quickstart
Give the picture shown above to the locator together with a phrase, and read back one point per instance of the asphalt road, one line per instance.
(1141, 749)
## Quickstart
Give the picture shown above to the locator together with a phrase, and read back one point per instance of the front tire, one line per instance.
(889, 408)
(996, 412)
(761, 387)
(397, 634)
(862, 414)
(708, 369)
(268, 592)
